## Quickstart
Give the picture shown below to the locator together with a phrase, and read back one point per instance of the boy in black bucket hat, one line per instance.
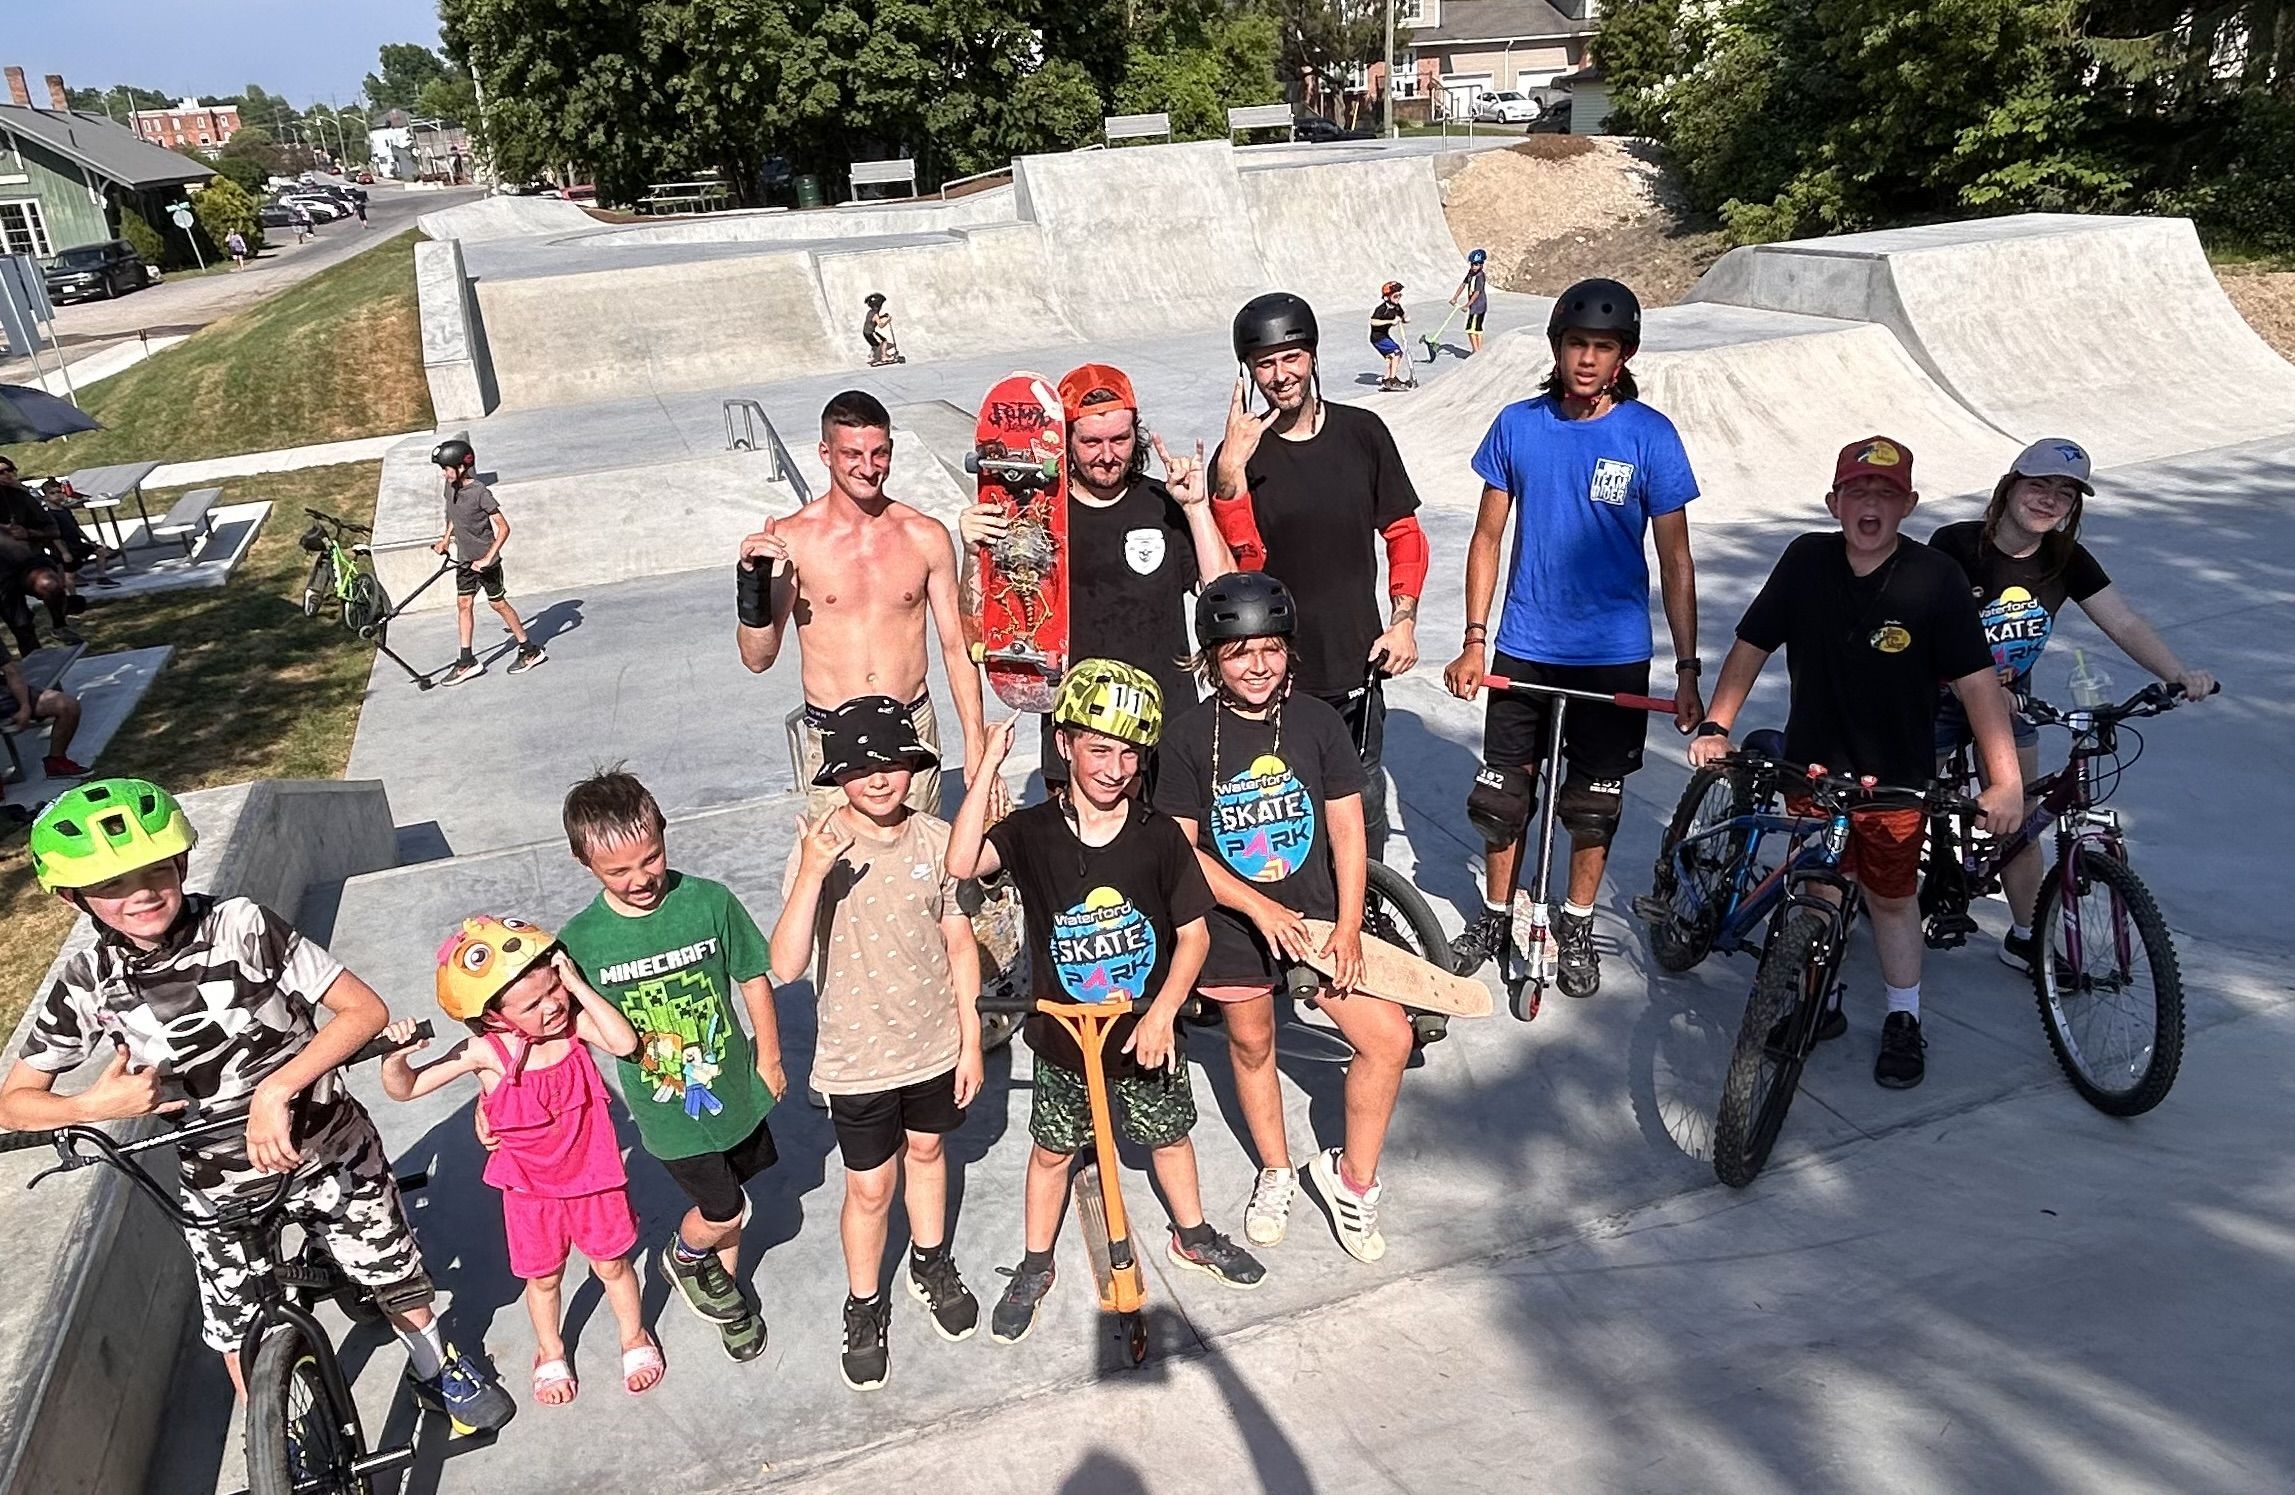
(898, 980)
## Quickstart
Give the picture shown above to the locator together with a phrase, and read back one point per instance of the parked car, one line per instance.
(321, 208)
(1555, 121)
(104, 269)
(274, 215)
(1316, 128)
(1505, 107)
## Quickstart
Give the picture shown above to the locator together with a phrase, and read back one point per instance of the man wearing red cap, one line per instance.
(1870, 623)
(1137, 548)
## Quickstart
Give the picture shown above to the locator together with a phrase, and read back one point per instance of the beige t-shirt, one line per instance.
(888, 1012)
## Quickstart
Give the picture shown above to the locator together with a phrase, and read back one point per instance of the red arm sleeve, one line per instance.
(1239, 527)
(1407, 557)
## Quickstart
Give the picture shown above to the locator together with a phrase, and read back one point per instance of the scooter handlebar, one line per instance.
(1660, 705)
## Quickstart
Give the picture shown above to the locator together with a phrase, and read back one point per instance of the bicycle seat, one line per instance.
(1766, 742)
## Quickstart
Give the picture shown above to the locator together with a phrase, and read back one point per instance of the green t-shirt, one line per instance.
(692, 1087)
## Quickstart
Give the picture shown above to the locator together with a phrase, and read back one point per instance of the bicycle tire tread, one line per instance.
(2167, 974)
(269, 1381)
(1739, 1153)
(1675, 949)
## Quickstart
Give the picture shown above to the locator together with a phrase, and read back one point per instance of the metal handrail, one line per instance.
(784, 466)
(978, 176)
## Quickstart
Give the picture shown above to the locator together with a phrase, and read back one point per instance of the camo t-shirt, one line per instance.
(226, 1001)
(1261, 804)
(1102, 920)
(692, 1086)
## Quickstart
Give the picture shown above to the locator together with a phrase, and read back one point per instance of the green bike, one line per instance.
(343, 581)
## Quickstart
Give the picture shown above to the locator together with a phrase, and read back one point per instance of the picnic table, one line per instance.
(42, 670)
(101, 490)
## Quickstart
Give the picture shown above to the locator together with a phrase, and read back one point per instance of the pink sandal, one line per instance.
(554, 1373)
(638, 1359)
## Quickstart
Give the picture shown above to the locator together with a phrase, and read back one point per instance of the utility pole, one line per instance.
(1387, 99)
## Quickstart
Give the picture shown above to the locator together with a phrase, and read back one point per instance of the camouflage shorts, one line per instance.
(350, 1203)
(1154, 1110)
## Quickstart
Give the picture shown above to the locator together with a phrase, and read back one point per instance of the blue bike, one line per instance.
(1715, 890)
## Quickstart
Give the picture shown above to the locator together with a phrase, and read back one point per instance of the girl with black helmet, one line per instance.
(1326, 484)
(1268, 787)
(876, 331)
(1586, 471)
(1474, 293)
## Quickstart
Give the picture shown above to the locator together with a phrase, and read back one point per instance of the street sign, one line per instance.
(181, 214)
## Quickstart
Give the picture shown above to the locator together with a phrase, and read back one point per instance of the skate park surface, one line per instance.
(1979, 1284)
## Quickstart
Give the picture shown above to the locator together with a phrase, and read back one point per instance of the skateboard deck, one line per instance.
(1020, 456)
(1394, 974)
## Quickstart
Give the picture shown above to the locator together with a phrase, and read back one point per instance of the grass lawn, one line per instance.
(254, 690)
(336, 357)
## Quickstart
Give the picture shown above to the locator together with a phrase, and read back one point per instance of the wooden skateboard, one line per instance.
(1020, 456)
(1394, 974)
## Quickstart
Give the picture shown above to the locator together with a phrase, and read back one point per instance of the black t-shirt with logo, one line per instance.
(1102, 920)
(1262, 809)
(1320, 504)
(1867, 653)
(2017, 597)
(1131, 566)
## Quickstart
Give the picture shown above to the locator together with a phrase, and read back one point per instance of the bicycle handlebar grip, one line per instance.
(26, 1141)
(1007, 1004)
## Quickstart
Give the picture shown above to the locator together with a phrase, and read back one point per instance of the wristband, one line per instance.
(1710, 728)
(751, 581)
(1690, 666)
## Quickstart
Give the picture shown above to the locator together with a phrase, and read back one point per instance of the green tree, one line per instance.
(1323, 41)
(257, 147)
(222, 206)
(148, 241)
(453, 98)
(1198, 71)
(406, 68)
(242, 170)
(118, 101)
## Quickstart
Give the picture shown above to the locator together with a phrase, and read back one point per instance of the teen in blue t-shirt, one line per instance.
(1587, 471)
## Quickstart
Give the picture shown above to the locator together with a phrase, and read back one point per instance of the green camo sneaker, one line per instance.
(705, 1285)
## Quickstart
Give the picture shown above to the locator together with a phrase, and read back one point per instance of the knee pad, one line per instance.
(1589, 809)
(1498, 806)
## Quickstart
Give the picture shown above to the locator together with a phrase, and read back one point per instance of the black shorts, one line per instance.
(468, 578)
(1600, 742)
(872, 1128)
(713, 1180)
(1474, 320)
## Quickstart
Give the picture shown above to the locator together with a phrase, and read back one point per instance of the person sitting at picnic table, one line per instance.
(78, 549)
(29, 569)
(19, 708)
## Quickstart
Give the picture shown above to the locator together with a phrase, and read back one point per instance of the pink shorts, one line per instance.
(541, 1229)
(1234, 992)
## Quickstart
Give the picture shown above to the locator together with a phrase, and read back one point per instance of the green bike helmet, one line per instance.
(106, 829)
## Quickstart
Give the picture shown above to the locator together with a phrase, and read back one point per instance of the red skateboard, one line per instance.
(1020, 456)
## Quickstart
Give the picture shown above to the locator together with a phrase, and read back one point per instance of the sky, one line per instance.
(309, 50)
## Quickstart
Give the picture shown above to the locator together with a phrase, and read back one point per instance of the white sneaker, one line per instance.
(1269, 1212)
(1355, 1215)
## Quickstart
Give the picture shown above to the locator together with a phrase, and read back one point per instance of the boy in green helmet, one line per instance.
(216, 1000)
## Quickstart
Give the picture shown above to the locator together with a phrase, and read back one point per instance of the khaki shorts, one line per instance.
(923, 787)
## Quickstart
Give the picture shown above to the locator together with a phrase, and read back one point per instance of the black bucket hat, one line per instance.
(868, 733)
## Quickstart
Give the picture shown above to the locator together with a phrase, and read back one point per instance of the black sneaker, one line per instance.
(935, 1283)
(2018, 954)
(466, 1391)
(529, 656)
(1016, 1311)
(464, 669)
(1577, 966)
(865, 1361)
(1481, 940)
(744, 1338)
(1900, 1065)
(1219, 1257)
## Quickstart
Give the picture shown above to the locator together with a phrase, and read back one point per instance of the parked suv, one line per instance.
(104, 269)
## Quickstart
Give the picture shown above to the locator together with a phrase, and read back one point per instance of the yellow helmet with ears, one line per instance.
(482, 957)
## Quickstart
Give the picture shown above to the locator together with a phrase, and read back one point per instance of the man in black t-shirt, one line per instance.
(1137, 547)
(1115, 905)
(1871, 624)
(1325, 482)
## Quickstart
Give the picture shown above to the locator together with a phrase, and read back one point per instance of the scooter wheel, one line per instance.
(1523, 997)
(1135, 1337)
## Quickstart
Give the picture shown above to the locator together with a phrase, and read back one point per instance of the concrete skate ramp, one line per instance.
(2112, 331)
(505, 218)
(985, 289)
(1143, 240)
(1335, 233)
(1763, 402)
(852, 221)
(567, 339)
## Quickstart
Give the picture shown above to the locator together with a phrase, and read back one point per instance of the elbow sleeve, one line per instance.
(1239, 527)
(1407, 556)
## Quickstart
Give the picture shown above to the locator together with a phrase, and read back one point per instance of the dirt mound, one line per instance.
(1558, 208)
(2266, 298)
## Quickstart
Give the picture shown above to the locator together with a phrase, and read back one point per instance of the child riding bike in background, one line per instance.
(555, 1157)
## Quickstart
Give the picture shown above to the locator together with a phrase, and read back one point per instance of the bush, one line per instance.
(223, 205)
(245, 172)
(148, 241)
(2245, 197)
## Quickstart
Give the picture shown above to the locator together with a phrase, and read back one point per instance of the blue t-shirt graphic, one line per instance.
(1578, 588)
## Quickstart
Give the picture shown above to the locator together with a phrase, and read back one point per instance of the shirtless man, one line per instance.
(859, 571)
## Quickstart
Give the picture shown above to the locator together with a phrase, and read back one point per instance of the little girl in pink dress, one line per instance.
(555, 1158)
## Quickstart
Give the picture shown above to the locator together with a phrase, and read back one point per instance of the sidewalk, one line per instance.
(287, 459)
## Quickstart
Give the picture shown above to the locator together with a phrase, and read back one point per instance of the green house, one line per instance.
(65, 175)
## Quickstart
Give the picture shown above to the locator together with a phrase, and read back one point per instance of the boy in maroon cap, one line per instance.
(1872, 623)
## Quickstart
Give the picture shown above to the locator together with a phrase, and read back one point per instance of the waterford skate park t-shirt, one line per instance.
(1867, 653)
(1263, 809)
(1320, 504)
(2016, 596)
(1584, 491)
(1102, 920)
(692, 1086)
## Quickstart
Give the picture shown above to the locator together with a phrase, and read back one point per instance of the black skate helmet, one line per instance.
(1477, 256)
(1241, 605)
(1275, 320)
(1598, 306)
(453, 453)
(874, 298)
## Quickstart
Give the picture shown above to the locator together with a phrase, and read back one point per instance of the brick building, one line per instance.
(189, 123)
